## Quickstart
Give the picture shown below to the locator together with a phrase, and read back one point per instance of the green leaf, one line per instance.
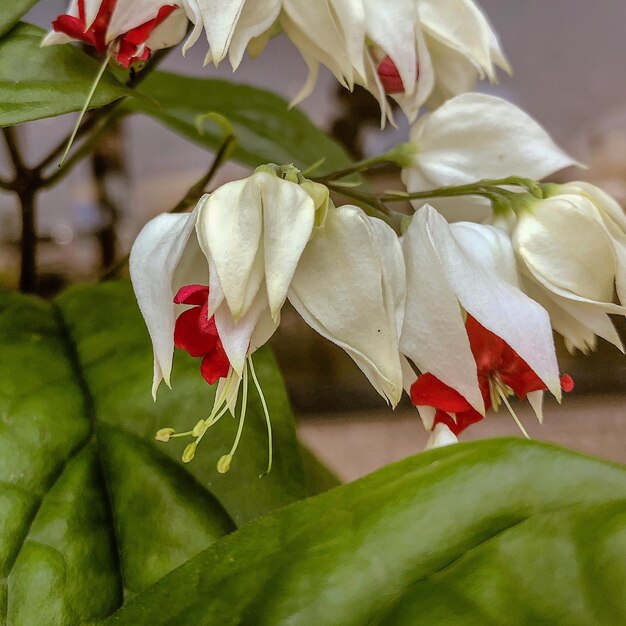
(12, 12)
(494, 532)
(92, 509)
(267, 130)
(319, 478)
(38, 82)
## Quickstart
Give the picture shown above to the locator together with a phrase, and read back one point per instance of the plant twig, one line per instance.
(28, 243)
(187, 201)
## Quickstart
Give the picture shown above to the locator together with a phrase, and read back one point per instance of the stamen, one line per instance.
(266, 413)
(164, 434)
(223, 465)
(189, 452)
(90, 95)
(512, 412)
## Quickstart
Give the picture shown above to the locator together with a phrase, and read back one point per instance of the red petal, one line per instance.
(428, 390)
(486, 346)
(390, 77)
(195, 335)
(140, 34)
(192, 294)
(215, 365)
(567, 383)
(463, 420)
(74, 28)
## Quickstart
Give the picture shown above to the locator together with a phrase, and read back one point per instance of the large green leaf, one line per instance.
(92, 509)
(38, 82)
(493, 532)
(12, 12)
(267, 130)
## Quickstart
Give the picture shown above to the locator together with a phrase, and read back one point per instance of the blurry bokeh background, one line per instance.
(569, 60)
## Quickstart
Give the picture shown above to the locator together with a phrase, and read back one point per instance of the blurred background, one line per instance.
(569, 73)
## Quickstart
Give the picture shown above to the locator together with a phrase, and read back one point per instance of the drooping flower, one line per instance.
(501, 373)
(571, 248)
(473, 137)
(462, 270)
(130, 30)
(256, 243)
(411, 50)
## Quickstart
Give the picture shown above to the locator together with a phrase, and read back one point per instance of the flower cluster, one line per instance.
(415, 51)
(459, 314)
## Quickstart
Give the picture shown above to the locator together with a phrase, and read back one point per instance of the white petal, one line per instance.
(195, 16)
(338, 289)
(128, 15)
(535, 399)
(562, 240)
(576, 335)
(392, 26)
(236, 335)
(460, 25)
(497, 305)
(91, 11)
(53, 38)
(476, 136)
(220, 19)
(350, 17)
(169, 33)
(288, 216)
(313, 29)
(454, 74)
(255, 19)
(441, 436)
(230, 224)
(412, 99)
(154, 259)
(490, 247)
(434, 335)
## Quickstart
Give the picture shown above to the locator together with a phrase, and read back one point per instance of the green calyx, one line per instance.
(318, 192)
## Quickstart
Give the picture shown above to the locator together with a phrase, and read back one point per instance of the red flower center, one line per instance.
(501, 372)
(390, 76)
(129, 44)
(196, 333)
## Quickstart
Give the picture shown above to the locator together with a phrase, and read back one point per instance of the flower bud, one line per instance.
(572, 250)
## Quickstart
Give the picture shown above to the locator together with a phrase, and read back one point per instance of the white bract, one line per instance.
(467, 267)
(255, 243)
(571, 248)
(411, 50)
(474, 137)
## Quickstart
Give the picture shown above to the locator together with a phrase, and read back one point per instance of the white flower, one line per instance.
(130, 30)
(467, 269)
(230, 25)
(245, 249)
(475, 136)
(411, 50)
(571, 247)
(462, 47)
(257, 243)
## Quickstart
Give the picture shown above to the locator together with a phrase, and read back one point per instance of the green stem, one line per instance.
(361, 166)
(487, 188)
(88, 100)
(370, 204)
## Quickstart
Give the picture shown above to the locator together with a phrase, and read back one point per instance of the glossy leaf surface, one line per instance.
(92, 509)
(491, 532)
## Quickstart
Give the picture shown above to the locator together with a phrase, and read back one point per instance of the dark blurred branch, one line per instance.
(25, 185)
